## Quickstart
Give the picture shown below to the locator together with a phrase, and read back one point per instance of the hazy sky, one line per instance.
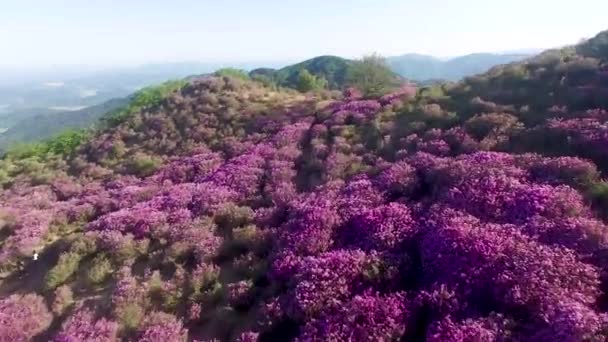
(116, 32)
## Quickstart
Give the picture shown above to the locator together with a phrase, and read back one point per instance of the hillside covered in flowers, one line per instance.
(233, 210)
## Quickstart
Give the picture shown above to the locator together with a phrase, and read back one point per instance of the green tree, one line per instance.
(308, 82)
(232, 72)
(267, 81)
(371, 75)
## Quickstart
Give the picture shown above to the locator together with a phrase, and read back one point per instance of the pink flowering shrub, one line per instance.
(262, 215)
(82, 326)
(159, 326)
(23, 317)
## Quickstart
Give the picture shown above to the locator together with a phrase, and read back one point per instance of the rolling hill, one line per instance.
(43, 126)
(420, 68)
(332, 68)
(25, 109)
(226, 209)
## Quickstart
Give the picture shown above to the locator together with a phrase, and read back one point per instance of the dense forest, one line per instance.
(227, 208)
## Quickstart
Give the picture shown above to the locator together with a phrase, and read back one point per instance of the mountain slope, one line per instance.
(9, 118)
(40, 127)
(333, 69)
(233, 211)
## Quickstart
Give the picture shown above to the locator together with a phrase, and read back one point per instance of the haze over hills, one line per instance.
(423, 68)
(47, 124)
(415, 67)
(80, 87)
(50, 94)
(225, 208)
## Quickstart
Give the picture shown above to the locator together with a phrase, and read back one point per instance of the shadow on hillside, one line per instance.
(31, 277)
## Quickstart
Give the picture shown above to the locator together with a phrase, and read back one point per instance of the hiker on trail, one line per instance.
(35, 255)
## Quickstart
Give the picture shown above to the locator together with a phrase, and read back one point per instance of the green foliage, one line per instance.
(371, 75)
(434, 92)
(246, 237)
(34, 159)
(598, 193)
(66, 143)
(155, 284)
(130, 315)
(62, 300)
(63, 270)
(129, 250)
(332, 69)
(143, 165)
(99, 271)
(201, 280)
(63, 144)
(233, 72)
(84, 245)
(25, 151)
(168, 297)
(145, 98)
(309, 82)
(265, 80)
(43, 177)
(232, 216)
(596, 47)
(35, 167)
(4, 177)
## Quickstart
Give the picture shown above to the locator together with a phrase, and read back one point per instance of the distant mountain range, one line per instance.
(423, 68)
(38, 106)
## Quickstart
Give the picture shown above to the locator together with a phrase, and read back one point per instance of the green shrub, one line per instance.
(145, 98)
(25, 151)
(118, 149)
(28, 165)
(247, 236)
(266, 81)
(598, 192)
(129, 250)
(371, 75)
(155, 284)
(143, 165)
(62, 300)
(42, 177)
(63, 270)
(203, 277)
(130, 316)
(83, 245)
(232, 72)
(5, 178)
(308, 82)
(63, 144)
(99, 271)
(231, 216)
